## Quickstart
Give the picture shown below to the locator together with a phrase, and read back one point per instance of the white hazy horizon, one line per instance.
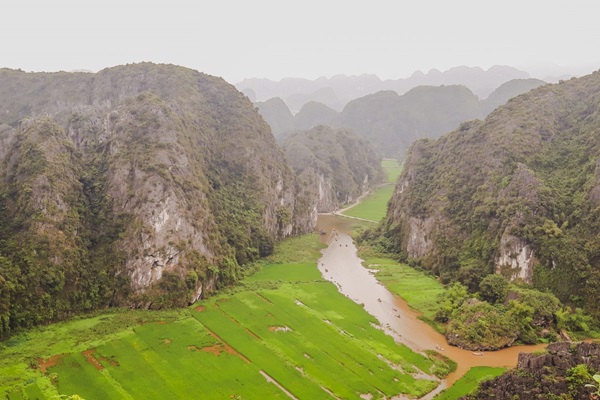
(308, 39)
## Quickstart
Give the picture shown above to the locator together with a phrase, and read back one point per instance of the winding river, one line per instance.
(341, 265)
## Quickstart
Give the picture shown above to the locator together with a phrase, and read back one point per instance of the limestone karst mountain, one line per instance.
(334, 165)
(141, 185)
(391, 122)
(507, 91)
(517, 194)
(277, 114)
(337, 91)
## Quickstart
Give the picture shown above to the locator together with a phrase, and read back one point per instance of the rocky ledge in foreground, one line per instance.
(560, 373)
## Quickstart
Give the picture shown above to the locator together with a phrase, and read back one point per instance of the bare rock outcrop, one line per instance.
(545, 376)
(144, 185)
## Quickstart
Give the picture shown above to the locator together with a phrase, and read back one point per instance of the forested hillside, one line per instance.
(507, 91)
(334, 166)
(143, 185)
(517, 194)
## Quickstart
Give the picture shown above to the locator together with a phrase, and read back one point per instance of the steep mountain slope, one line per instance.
(336, 162)
(277, 114)
(507, 91)
(517, 194)
(314, 114)
(143, 185)
(392, 122)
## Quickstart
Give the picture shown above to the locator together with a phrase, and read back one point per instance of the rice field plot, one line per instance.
(392, 169)
(288, 272)
(420, 290)
(177, 360)
(26, 358)
(283, 332)
(250, 346)
(308, 326)
(374, 206)
(468, 383)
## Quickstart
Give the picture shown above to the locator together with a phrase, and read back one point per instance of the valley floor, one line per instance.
(283, 333)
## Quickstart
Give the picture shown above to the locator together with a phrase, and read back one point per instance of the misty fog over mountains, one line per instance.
(337, 91)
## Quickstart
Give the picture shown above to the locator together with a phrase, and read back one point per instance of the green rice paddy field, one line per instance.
(416, 287)
(374, 206)
(284, 332)
(469, 382)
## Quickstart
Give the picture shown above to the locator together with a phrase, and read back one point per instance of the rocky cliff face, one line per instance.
(515, 259)
(335, 163)
(547, 376)
(144, 184)
(515, 194)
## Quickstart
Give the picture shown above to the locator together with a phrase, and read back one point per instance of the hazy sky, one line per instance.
(237, 39)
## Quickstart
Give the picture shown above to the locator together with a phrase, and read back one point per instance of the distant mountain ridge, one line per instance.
(391, 122)
(335, 163)
(337, 91)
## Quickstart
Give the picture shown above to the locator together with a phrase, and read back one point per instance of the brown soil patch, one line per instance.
(162, 322)
(200, 308)
(227, 347)
(215, 349)
(89, 357)
(167, 341)
(111, 362)
(51, 362)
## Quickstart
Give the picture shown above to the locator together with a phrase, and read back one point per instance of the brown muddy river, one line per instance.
(341, 265)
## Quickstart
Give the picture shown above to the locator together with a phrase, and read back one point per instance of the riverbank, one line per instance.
(341, 265)
(372, 206)
(283, 332)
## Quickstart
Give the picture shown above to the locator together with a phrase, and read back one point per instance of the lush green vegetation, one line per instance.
(479, 318)
(374, 206)
(483, 320)
(419, 289)
(283, 320)
(392, 169)
(469, 382)
(565, 371)
(522, 181)
(336, 164)
(147, 185)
